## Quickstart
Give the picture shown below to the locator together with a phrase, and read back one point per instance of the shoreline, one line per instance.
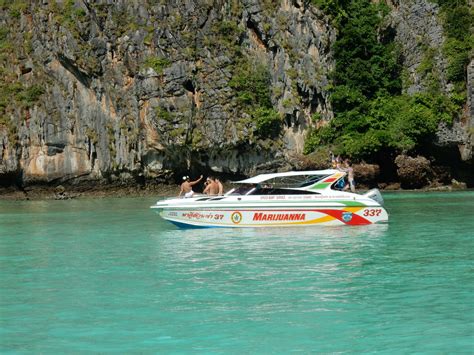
(35, 193)
(44, 192)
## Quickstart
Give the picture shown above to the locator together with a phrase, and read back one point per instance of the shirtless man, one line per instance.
(212, 187)
(350, 175)
(221, 187)
(187, 187)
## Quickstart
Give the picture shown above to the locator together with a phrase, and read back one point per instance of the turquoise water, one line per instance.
(108, 275)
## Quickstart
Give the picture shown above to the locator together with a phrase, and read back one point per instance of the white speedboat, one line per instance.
(297, 198)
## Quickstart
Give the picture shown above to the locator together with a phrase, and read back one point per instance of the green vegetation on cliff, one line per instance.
(458, 21)
(251, 81)
(16, 96)
(371, 114)
(157, 64)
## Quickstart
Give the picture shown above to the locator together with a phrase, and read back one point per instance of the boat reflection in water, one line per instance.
(298, 198)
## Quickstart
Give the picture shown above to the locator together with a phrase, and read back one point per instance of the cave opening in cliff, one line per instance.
(93, 159)
(388, 169)
(189, 86)
(11, 179)
(447, 161)
(251, 25)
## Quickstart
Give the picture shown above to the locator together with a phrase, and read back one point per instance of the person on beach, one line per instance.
(187, 187)
(212, 188)
(350, 175)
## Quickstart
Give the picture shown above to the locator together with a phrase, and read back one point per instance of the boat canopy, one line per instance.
(296, 175)
(301, 180)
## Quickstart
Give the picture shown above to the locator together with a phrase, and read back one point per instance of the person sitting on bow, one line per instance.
(187, 186)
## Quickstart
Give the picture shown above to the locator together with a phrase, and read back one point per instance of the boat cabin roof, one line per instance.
(290, 175)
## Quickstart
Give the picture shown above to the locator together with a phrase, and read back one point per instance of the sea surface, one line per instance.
(107, 275)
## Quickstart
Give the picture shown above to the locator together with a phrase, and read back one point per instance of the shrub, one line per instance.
(5, 44)
(390, 123)
(457, 53)
(371, 115)
(32, 94)
(458, 20)
(164, 114)
(17, 8)
(157, 64)
(251, 82)
(268, 122)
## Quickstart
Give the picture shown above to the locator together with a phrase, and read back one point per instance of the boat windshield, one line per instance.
(280, 185)
(291, 182)
(258, 190)
(273, 191)
(241, 190)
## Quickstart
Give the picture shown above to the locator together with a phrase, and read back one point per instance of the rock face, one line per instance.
(461, 133)
(420, 33)
(467, 145)
(135, 91)
(141, 92)
(414, 173)
(366, 174)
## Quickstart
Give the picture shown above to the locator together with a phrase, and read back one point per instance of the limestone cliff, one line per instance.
(420, 33)
(135, 89)
(143, 91)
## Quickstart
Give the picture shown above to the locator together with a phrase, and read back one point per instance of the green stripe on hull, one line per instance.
(352, 203)
(321, 186)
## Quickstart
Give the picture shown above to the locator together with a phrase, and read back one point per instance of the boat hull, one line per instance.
(274, 217)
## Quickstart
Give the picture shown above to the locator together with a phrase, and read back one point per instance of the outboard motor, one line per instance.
(375, 195)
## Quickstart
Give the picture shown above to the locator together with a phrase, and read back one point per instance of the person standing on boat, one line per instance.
(187, 186)
(336, 162)
(350, 175)
(212, 187)
(221, 187)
